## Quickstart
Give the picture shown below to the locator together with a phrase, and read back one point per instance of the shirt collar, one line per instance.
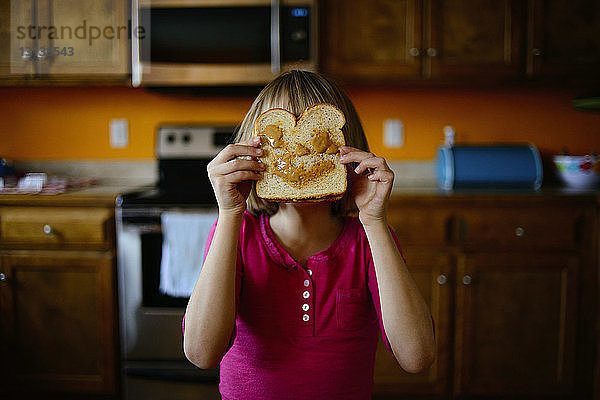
(282, 257)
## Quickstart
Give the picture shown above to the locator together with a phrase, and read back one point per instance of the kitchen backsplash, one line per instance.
(73, 123)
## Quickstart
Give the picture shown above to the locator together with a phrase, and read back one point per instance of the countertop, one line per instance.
(93, 196)
(105, 195)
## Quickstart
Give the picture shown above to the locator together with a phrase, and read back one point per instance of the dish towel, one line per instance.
(184, 240)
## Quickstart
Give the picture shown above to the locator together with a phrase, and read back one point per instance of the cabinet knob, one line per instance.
(27, 54)
(442, 279)
(536, 52)
(414, 52)
(467, 280)
(3, 277)
(431, 52)
(48, 230)
(519, 232)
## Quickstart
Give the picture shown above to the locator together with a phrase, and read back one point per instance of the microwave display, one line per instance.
(224, 35)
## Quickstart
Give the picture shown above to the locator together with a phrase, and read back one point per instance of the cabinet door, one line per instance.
(58, 320)
(433, 274)
(565, 38)
(475, 39)
(371, 41)
(90, 39)
(516, 315)
(16, 48)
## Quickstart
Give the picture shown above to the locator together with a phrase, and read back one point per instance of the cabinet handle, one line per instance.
(536, 52)
(136, 63)
(431, 52)
(415, 52)
(275, 38)
(519, 232)
(48, 230)
(3, 277)
(467, 280)
(442, 279)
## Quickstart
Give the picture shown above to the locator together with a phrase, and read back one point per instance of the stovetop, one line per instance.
(165, 198)
(183, 153)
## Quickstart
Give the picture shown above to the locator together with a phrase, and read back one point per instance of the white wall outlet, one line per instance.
(393, 133)
(119, 133)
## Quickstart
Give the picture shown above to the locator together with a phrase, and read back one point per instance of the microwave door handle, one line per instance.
(275, 38)
(136, 66)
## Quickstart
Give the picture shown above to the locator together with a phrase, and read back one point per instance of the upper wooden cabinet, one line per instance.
(64, 41)
(470, 39)
(564, 38)
(370, 39)
(384, 41)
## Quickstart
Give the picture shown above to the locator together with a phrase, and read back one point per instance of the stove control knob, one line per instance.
(171, 138)
(186, 138)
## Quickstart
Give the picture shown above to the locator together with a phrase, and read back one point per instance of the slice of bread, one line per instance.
(301, 157)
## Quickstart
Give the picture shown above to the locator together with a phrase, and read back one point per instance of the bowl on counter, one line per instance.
(578, 172)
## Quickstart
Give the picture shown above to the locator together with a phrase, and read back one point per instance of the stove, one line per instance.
(151, 336)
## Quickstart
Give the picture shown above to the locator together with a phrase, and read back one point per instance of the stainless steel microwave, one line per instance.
(221, 42)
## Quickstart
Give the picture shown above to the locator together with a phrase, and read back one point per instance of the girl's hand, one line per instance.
(231, 175)
(371, 183)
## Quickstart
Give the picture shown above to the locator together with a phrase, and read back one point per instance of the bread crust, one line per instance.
(332, 120)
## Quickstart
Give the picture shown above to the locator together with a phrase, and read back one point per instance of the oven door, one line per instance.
(151, 322)
(231, 42)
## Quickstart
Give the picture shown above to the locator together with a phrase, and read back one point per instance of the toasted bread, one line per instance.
(301, 157)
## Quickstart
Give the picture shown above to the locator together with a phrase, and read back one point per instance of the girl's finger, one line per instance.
(381, 176)
(376, 163)
(241, 176)
(354, 155)
(239, 164)
(347, 149)
(232, 151)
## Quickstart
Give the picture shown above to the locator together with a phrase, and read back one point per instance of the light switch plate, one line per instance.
(393, 133)
(119, 133)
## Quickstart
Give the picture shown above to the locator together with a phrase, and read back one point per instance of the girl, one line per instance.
(292, 295)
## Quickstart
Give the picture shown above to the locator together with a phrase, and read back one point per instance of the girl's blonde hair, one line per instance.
(294, 91)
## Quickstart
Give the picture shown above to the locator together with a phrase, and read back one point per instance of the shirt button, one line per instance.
(306, 283)
(305, 318)
(305, 307)
(309, 272)
(305, 294)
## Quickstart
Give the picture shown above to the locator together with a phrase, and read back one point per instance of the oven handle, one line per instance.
(143, 228)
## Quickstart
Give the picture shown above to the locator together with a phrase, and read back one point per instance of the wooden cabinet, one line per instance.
(386, 41)
(432, 273)
(469, 39)
(516, 318)
(370, 40)
(510, 281)
(58, 302)
(64, 41)
(564, 38)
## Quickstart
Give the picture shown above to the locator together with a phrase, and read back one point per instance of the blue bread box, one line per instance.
(508, 166)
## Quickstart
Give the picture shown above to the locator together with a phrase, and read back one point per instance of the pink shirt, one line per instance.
(302, 332)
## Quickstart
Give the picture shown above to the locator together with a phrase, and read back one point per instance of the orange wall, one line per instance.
(72, 123)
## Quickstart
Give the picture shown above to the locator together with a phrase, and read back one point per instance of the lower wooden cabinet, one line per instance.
(516, 321)
(58, 333)
(431, 272)
(510, 281)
